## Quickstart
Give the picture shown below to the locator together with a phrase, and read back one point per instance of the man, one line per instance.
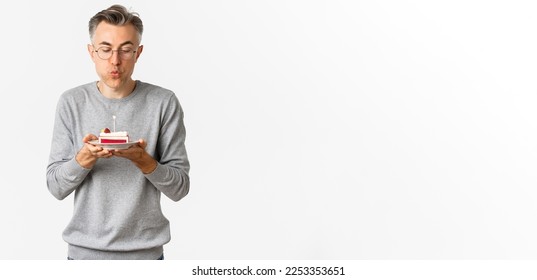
(117, 212)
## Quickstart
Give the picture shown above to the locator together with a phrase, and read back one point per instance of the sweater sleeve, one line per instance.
(64, 174)
(171, 175)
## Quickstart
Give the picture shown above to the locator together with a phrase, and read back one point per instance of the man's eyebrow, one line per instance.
(126, 43)
(121, 45)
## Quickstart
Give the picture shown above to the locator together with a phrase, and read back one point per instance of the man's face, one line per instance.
(115, 72)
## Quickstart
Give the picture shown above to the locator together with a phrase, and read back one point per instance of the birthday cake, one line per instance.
(116, 137)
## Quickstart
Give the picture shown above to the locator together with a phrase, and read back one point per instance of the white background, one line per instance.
(315, 129)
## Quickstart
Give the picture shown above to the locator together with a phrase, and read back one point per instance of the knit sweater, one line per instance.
(117, 212)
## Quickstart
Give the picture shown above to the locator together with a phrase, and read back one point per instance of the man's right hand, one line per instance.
(88, 155)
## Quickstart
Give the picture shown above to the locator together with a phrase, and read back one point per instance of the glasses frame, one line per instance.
(132, 53)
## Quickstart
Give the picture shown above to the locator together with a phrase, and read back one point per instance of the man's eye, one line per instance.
(105, 50)
(125, 50)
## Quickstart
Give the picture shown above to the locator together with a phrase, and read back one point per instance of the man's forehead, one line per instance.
(109, 34)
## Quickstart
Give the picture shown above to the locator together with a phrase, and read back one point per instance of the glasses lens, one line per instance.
(106, 53)
(125, 54)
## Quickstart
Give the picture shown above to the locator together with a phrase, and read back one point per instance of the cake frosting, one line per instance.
(116, 137)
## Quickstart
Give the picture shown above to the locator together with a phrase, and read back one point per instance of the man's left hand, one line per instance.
(137, 154)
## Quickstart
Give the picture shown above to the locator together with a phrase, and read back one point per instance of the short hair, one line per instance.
(116, 15)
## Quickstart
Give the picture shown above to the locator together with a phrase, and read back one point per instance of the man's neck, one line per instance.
(116, 93)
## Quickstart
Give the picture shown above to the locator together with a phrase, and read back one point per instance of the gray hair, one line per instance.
(116, 15)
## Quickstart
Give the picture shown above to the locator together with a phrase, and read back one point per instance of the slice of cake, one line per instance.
(117, 137)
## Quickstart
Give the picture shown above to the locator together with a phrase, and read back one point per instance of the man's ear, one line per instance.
(139, 51)
(91, 51)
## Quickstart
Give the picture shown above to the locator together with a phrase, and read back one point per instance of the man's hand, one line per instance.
(88, 155)
(137, 154)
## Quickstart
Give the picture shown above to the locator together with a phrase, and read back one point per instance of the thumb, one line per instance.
(142, 143)
(89, 137)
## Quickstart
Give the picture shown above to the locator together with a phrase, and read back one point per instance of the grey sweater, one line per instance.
(117, 212)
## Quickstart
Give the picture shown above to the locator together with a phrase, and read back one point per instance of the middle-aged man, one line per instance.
(117, 212)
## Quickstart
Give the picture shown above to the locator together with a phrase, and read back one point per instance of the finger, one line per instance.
(93, 148)
(107, 155)
(117, 153)
(123, 152)
(142, 143)
(94, 151)
(103, 153)
(89, 137)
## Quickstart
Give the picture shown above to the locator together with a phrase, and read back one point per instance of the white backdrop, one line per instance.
(315, 129)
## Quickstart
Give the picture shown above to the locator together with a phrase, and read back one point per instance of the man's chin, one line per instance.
(114, 83)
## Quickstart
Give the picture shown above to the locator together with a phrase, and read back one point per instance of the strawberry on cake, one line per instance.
(107, 137)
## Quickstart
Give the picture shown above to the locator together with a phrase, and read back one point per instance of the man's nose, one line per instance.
(114, 59)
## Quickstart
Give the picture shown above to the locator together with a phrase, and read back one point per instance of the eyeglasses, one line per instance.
(106, 53)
